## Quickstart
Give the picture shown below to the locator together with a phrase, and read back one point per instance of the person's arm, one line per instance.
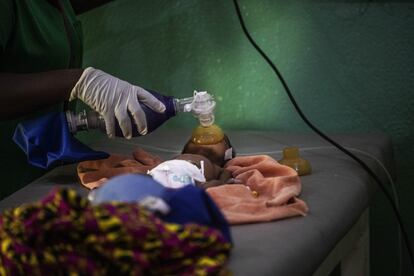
(111, 97)
(81, 6)
(25, 93)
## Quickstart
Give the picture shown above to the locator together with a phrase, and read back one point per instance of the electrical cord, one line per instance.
(387, 173)
(324, 136)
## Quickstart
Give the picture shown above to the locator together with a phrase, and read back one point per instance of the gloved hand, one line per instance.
(113, 98)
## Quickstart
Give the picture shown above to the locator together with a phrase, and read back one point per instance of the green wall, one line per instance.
(349, 64)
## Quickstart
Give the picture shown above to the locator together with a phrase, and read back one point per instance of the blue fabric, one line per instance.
(192, 204)
(189, 204)
(47, 142)
(128, 188)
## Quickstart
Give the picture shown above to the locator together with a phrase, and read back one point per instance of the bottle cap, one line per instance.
(292, 152)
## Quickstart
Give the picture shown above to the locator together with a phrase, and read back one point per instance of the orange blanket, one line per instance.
(269, 190)
(93, 174)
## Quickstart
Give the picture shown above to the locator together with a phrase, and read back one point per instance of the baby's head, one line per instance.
(218, 153)
(210, 142)
(211, 170)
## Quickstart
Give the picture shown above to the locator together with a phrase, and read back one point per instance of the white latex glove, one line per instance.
(113, 98)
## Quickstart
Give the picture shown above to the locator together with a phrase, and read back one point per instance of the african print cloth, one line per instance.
(64, 235)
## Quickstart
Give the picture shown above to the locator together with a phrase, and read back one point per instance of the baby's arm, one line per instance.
(224, 177)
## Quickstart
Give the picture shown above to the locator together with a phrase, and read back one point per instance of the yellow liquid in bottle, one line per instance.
(208, 135)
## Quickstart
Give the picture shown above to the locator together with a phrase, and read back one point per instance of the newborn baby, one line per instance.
(207, 166)
(214, 156)
(204, 166)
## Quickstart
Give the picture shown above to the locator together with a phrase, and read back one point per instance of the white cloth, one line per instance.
(113, 98)
(177, 173)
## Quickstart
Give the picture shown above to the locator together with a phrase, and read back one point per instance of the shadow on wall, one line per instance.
(176, 47)
(168, 46)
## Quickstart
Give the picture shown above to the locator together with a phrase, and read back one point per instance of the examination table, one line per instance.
(337, 192)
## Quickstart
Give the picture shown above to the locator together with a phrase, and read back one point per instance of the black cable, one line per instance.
(324, 136)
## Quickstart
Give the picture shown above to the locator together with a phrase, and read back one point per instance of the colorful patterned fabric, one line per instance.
(63, 234)
(188, 204)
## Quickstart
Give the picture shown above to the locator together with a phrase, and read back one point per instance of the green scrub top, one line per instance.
(35, 36)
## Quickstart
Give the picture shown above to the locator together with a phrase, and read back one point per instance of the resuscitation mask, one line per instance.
(177, 173)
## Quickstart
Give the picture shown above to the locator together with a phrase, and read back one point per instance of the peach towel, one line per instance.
(277, 188)
(93, 174)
